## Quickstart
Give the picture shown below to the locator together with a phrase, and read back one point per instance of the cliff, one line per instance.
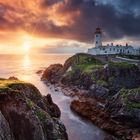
(86, 71)
(108, 92)
(25, 114)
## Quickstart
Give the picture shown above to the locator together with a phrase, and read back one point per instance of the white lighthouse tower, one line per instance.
(98, 38)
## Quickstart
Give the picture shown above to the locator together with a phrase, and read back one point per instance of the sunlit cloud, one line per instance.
(58, 25)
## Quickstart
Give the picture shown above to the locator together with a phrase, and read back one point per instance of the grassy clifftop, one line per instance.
(83, 62)
(113, 75)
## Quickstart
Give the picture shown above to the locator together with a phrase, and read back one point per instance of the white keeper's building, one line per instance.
(99, 49)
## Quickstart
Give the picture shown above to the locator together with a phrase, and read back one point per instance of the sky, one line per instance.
(66, 26)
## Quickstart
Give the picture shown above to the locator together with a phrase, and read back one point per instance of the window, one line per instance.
(110, 49)
(96, 35)
(96, 42)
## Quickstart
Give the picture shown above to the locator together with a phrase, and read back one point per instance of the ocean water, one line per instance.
(25, 67)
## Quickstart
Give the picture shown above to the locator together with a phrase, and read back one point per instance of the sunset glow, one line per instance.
(42, 25)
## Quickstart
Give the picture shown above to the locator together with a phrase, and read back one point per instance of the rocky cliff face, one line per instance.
(125, 105)
(121, 116)
(111, 100)
(25, 114)
(86, 71)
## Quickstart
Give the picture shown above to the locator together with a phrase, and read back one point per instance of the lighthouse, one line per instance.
(98, 38)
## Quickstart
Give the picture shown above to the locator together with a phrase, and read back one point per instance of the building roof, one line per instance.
(98, 31)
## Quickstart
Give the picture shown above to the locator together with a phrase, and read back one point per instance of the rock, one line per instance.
(29, 115)
(99, 91)
(39, 72)
(5, 132)
(102, 118)
(53, 109)
(52, 73)
(126, 106)
(84, 70)
(13, 78)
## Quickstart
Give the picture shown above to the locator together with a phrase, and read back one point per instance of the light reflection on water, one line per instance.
(25, 68)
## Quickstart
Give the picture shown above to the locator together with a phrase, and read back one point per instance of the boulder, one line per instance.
(52, 73)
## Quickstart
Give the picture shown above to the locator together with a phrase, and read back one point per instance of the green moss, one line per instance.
(41, 115)
(93, 77)
(125, 93)
(30, 103)
(123, 65)
(102, 83)
(111, 79)
(134, 105)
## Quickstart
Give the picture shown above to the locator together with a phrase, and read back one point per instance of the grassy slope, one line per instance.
(86, 63)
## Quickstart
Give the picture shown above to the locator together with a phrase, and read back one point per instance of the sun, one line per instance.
(26, 47)
(26, 44)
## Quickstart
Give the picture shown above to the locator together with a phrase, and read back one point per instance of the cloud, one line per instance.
(64, 46)
(72, 19)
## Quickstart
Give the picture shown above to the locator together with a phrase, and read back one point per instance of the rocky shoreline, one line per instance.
(26, 114)
(103, 92)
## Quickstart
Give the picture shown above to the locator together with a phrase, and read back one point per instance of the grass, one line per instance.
(7, 84)
(89, 67)
(123, 65)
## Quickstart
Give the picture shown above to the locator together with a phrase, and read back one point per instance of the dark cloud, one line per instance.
(123, 6)
(118, 18)
(75, 19)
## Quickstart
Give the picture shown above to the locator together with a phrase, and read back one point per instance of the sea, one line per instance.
(24, 67)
